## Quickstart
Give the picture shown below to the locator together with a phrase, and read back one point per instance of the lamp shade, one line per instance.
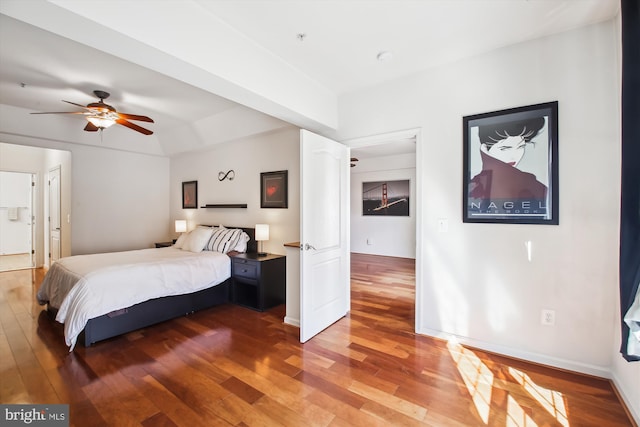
(181, 225)
(262, 232)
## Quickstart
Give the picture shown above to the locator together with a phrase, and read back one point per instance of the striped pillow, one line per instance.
(223, 240)
(241, 244)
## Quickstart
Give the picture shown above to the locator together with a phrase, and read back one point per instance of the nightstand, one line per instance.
(163, 244)
(259, 282)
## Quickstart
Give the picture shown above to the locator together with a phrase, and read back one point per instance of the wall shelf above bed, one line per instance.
(226, 205)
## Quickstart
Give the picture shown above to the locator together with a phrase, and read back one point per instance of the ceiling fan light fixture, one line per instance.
(101, 122)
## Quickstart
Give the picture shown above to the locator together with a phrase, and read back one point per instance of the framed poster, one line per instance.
(190, 195)
(385, 198)
(273, 189)
(510, 166)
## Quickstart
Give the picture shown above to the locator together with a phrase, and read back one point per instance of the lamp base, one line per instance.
(260, 249)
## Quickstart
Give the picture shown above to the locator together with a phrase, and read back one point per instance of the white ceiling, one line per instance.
(344, 37)
(338, 51)
(54, 68)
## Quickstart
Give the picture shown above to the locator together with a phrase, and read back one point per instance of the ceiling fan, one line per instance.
(101, 116)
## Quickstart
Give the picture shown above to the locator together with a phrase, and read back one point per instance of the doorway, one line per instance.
(379, 161)
(17, 219)
(38, 162)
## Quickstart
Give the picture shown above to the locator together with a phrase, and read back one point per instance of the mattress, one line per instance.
(83, 287)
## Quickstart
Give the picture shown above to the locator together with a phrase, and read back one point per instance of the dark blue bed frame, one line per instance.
(159, 309)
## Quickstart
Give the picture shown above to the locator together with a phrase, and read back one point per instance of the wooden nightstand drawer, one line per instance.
(244, 268)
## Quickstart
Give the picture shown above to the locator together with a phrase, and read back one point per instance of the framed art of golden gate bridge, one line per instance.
(386, 198)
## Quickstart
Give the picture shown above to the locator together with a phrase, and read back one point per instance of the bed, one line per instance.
(100, 296)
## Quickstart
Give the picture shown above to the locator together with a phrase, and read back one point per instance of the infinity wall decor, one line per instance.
(228, 175)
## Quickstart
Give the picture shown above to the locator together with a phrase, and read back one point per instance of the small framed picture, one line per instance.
(190, 195)
(385, 198)
(510, 166)
(273, 189)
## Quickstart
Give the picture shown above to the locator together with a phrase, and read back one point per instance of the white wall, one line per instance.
(476, 280)
(383, 235)
(119, 199)
(248, 157)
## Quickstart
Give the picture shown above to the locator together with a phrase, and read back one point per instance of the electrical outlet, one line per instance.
(548, 317)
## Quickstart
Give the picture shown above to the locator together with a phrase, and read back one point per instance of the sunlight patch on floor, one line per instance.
(479, 380)
(476, 376)
(516, 416)
(550, 400)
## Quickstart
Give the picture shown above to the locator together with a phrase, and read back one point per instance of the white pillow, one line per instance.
(198, 238)
(181, 240)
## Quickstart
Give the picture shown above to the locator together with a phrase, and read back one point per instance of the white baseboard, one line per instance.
(570, 365)
(632, 407)
(291, 321)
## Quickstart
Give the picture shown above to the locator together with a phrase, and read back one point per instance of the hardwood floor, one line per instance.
(232, 366)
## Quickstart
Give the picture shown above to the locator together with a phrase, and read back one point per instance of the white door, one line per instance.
(324, 224)
(54, 215)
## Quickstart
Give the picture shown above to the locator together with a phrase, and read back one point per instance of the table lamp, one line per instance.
(181, 225)
(262, 234)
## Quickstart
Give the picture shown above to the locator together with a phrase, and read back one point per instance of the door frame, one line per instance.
(34, 218)
(373, 140)
(49, 235)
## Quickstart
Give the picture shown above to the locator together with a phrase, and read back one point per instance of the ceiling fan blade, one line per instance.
(133, 126)
(136, 117)
(77, 105)
(63, 112)
(90, 127)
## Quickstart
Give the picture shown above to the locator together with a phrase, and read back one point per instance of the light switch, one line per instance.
(443, 225)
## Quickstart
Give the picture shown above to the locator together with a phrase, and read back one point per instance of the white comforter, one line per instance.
(83, 287)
